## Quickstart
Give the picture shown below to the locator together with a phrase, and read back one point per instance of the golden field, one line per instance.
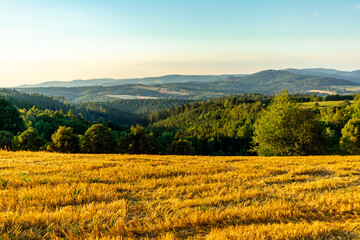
(54, 196)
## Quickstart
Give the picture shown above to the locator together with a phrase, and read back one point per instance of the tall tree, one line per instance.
(284, 128)
(98, 139)
(10, 119)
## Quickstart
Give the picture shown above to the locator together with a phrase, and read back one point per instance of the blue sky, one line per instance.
(65, 40)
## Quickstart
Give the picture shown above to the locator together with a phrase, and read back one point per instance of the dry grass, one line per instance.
(50, 196)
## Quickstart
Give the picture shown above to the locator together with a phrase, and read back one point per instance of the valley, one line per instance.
(204, 87)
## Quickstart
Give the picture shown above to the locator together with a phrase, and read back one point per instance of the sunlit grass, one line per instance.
(47, 196)
(326, 103)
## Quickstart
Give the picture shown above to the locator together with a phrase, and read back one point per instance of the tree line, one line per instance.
(234, 125)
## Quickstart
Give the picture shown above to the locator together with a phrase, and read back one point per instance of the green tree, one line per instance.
(284, 129)
(46, 129)
(357, 97)
(350, 140)
(356, 109)
(165, 140)
(6, 138)
(70, 114)
(181, 147)
(64, 140)
(138, 141)
(29, 140)
(98, 139)
(10, 119)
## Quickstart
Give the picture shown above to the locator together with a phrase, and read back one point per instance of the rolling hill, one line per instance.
(324, 72)
(265, 82)
(91, 111)
(176, 78)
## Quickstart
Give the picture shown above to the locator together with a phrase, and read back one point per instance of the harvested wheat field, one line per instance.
(50, 196)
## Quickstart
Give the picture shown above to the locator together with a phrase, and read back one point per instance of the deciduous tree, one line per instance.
(284, 128)
(350, 140)
(64, 140)
(30, 140)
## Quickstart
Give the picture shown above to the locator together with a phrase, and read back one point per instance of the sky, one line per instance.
(51, 40)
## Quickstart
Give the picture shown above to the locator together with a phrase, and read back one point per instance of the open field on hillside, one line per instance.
(130, 97)
(47, 196)
(326, 103)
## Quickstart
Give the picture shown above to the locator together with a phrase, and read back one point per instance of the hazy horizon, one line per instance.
(121, 78)
(66, 40)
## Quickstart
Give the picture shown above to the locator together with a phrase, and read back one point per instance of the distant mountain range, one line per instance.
(145, 81)
(177, 78)
(210, 86)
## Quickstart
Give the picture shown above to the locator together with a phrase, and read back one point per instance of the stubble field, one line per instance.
(54, 196)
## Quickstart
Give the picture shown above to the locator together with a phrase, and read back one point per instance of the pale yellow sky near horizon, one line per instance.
(72, 61)
(68, 40)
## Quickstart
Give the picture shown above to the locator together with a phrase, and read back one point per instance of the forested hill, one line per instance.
(145, 106)
(217, 126)
(353, 76)
(225, 126)
(90, 111)
(120, 112)
(27, 101)
(265, 82)
(277, 77)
